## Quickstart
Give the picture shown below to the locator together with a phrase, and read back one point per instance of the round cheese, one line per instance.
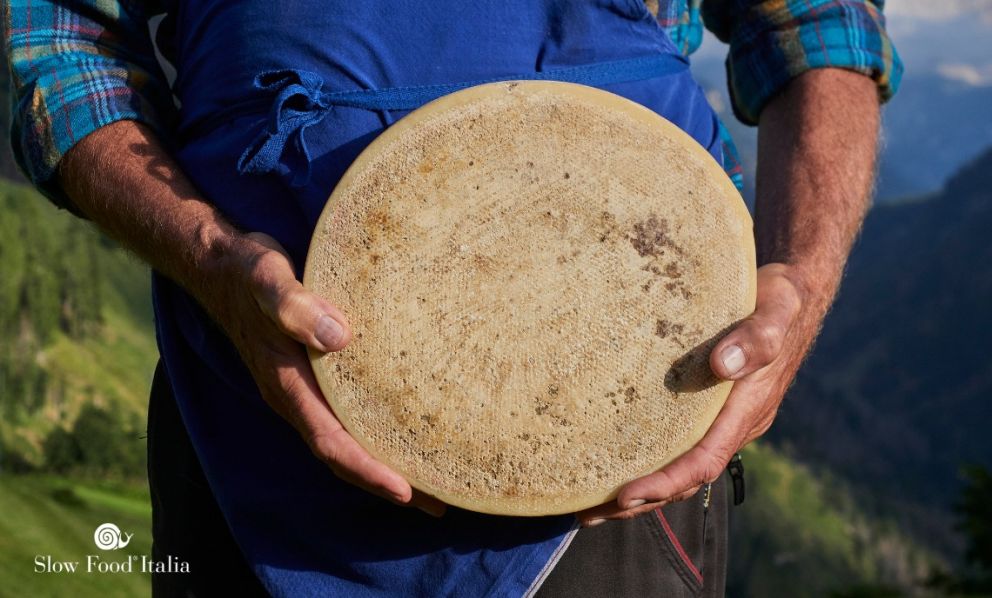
(535, 274)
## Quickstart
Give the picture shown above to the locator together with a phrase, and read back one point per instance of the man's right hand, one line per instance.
(270, 317)
(245, 281)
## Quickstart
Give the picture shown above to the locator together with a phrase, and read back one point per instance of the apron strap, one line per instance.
(300, 103)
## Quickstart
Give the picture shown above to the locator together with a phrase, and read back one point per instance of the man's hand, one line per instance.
(762, 354)
(816, 160)
(245, 281)
(270, 325)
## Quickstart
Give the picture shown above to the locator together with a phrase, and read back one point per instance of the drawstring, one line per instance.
(298, 106)
(300, 103)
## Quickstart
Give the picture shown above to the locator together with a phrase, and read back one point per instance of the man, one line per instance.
(93, 128)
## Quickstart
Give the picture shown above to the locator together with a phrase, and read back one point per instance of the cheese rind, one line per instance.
(535, 273)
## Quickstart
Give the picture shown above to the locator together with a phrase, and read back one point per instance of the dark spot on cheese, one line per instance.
(663, 328)
(630, 395)
(608, 224)
(541, 407)
(651, 237)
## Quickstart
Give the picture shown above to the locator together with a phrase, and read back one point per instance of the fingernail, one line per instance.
(635, 503)
(595, 522)
(733, 359)
(328, 332)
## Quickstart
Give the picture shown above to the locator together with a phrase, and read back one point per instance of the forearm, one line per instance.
(816, 156)
(123, 180)
(816, 162)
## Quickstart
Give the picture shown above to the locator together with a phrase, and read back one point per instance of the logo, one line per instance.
(108, 537)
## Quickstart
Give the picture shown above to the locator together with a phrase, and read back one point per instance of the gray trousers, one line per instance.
(678, 550)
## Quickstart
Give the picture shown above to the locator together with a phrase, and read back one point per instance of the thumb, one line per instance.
(300, 314)
(308, 318)
(758, 339)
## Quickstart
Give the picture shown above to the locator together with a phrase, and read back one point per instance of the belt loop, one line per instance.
(299, 104)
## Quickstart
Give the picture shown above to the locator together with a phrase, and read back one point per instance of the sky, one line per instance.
(946, 47)
(952, 38)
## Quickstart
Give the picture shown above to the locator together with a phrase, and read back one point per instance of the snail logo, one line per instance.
(109, 537)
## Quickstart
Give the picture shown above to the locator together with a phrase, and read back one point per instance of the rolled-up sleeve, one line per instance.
(773, 41)
(75, 67)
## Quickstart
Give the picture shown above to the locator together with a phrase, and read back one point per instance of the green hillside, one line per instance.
(800, 534)
(75, 319)
(46, 516)
(77, 351)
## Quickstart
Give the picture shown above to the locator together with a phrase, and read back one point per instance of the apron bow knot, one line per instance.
(299, 104)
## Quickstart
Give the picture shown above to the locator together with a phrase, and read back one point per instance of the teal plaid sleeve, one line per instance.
(773, 41)
(75, 67)
(680, 20)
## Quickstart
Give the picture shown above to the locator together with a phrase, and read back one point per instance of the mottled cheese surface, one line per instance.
(535, 273)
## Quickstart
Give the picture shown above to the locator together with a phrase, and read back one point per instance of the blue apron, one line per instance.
(278, 98)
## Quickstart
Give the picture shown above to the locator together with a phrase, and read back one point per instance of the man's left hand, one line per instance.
(761, 355)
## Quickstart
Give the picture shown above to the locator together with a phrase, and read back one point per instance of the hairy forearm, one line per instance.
(816, 162)
(123, 180)
(816, 156)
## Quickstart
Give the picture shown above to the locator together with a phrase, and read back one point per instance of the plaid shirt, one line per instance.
(77, 66)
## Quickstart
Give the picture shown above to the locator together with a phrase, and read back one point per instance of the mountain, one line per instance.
(941, 117)
(895, 397)
(931, 128)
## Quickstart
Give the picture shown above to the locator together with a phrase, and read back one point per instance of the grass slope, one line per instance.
(45, 515)
(798, 534)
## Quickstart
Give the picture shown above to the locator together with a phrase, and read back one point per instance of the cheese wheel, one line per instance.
(535, 274)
